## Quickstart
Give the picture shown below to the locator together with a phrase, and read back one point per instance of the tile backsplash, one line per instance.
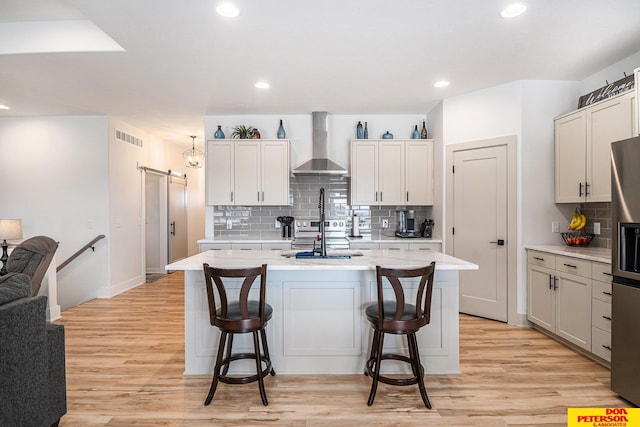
(259, 222)
(599, 212)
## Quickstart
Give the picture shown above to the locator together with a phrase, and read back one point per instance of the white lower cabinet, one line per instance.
(560, 301)
(265, 246)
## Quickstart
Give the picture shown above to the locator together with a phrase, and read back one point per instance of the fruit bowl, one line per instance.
(577, 239)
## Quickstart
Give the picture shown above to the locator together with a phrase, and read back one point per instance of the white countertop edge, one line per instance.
(395, 259)
(589, 254)
(365, 239)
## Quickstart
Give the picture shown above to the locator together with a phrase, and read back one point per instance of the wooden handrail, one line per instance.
(79, 252)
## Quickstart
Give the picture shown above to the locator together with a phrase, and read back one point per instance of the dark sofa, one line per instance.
(32, 358)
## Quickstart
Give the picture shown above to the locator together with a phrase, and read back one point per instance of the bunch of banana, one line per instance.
(578, 221)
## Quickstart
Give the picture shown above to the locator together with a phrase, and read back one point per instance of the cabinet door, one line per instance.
(541, 297)
(220, 173)
(247, 173)
(607, 121)
(275, 173)
(570, 156)
(391, 173)
(364, 173)
(574, 309)
(418, 179)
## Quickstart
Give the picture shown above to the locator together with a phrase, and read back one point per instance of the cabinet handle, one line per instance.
(606, 317)
(376, 196)
(407, 196)
(232, 196)
(607, 274)
(569, 265)
(550, 282)
(586, 189)
(258, 196)
(263, 196)
(606, 293)
(580, 190)
(381, 196)
(607, 347)
(537, 258)
(555, 283)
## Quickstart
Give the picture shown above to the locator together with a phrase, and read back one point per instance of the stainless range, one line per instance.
(307, 234)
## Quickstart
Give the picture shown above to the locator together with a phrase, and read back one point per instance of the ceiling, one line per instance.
(169, 63)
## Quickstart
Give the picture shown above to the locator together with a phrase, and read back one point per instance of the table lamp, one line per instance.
(10, 229)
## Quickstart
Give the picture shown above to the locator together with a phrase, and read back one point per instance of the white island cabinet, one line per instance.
(318, 324)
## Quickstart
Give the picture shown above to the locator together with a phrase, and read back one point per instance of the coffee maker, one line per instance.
(406, 223)
(287, 226)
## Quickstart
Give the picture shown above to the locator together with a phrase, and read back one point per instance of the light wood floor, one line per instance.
(125, 360)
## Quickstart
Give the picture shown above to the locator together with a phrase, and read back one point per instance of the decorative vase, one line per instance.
(359, 131)
(416, 133)
(219, 134)
(255, 134)
(366, 131)
(281, 133)
(423, 133)
(387, 135)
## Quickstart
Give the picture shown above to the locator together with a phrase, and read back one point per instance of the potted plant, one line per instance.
(242, 132)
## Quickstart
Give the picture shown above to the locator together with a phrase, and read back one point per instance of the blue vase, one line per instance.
(219, 134)
(366, 131)
(416, 133)
(359, 131)
(281, 133)
(387, 135)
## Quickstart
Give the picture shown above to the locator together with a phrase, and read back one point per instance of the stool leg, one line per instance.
(229, 345)
(256, 346)
(263, 336)
(216, 368)
(417, 368)
(376, 369)
(372, 354)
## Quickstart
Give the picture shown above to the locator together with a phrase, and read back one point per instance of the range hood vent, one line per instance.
(319, 163)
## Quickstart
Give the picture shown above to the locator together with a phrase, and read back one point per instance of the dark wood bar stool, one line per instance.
(239, 317)
(399, 318)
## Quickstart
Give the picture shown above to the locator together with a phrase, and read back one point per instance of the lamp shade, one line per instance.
(193, 158)
(10, 229)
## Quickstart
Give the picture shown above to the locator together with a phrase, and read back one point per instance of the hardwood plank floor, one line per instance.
(125, 360)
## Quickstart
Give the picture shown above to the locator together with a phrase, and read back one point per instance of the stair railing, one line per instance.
(80, 251)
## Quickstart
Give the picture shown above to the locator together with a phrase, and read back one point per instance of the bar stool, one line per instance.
(239, 317)
(399, 318)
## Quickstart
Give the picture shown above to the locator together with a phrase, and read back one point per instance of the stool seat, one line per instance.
(396, 316)
(234, 313)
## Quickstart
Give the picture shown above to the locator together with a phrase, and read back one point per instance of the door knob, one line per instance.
(499, 242)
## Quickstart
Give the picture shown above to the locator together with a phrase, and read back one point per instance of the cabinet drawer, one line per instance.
(601, 291)
(573, 266)
(601, 343)
(214, 246)
(541, 259)
(601, 314)
(601, 272)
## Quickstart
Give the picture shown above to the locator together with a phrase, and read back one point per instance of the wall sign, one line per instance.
(607, 91)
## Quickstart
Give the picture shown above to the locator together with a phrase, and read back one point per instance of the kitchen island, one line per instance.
(318, 324)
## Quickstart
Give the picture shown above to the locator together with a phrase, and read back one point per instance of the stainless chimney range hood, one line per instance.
(319, 163)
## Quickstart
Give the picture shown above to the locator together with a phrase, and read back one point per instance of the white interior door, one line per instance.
(177, 204)
(155, 224)
(480, 229)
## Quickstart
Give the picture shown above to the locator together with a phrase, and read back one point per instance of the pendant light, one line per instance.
(193, 158)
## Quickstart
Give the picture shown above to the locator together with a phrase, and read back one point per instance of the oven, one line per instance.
(307, 234)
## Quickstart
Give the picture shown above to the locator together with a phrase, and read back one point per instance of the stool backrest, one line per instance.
(423, 298)
(218, 317)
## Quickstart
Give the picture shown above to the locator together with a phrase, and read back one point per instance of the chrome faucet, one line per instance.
(323, 243)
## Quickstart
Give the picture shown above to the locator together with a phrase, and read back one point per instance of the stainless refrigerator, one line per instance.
(625, 265)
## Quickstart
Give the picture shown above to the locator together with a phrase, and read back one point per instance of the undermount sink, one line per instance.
(331, 254)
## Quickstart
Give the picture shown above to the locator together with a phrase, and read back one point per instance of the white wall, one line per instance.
(55, 178)
(611, 74)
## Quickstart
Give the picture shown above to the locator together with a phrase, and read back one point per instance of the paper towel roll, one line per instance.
(355, 226)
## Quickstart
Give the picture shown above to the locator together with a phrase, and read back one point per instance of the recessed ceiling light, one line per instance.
(262, 85)
(441, 83)
(228, 10)
(4, 107)
(513, 10)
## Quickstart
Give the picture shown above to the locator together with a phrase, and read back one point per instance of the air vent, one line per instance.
(130, 139)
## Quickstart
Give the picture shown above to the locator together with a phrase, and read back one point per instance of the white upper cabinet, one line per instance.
(391, 172)
(583, 148)
(247, 172)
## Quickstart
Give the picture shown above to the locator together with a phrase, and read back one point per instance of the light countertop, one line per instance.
(586, 253)
(394, 258)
